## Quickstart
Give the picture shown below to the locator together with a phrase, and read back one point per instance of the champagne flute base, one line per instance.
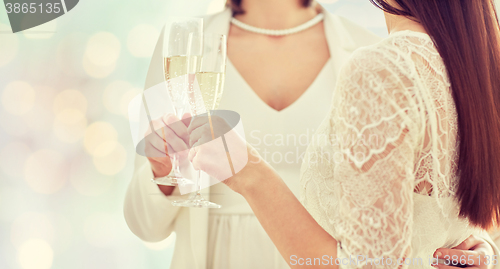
(196, 201)
(173, 180)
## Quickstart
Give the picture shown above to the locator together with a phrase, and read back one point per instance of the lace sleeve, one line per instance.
(378, 123)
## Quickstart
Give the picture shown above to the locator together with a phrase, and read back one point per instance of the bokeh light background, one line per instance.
(66, 154)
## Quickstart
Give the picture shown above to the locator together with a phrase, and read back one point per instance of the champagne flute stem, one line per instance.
(228, 155)
(175, 165)
(223, 142)
(174, 157)
(198, 185)
(211, 126)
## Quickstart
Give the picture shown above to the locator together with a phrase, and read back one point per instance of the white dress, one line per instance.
(231, 237)
(382, 177)
(235, 237)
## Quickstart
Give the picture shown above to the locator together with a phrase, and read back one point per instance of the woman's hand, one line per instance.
(170, 135)
(235, 163)
(472, 250)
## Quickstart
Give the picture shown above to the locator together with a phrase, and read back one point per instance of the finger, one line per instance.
(177, 126)
(165, 161)
(163, 139)
(186, 119)
(158, 131)
(458, 252)
(197, 122)
(198, 134)
(155, 124)
(172, 140)
(174, 144)
(219, 126)
(469, 243)
(151, 151)
(459, 256)
(442, 266)
(192, 155)
(193, 152)
(201, 141)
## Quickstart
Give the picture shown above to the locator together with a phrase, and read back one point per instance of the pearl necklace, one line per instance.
(283, 32)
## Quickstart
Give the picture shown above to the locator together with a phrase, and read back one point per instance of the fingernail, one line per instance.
(438, 254)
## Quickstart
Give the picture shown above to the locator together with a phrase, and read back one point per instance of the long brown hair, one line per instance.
(235, 5)
(467, 36)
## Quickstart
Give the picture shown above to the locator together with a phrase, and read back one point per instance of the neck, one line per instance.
(275, 14)
(397, 23)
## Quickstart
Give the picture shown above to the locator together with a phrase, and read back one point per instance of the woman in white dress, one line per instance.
(280, 99)
(293, 84)
(407, 160)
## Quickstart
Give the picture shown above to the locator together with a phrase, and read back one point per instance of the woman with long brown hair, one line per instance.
(408, 159)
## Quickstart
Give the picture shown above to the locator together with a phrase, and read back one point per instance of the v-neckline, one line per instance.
(309, 88)
(329, 41)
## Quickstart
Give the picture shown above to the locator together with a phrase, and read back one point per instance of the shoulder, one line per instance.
(383, 70)
(352, 35)
(399, 53)
(218, 22)
(381, 78)
(211, 17)
(387, 55)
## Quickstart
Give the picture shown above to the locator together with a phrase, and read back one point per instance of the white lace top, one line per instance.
(380, 175)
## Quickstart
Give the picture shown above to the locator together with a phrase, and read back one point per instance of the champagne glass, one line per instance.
(182, 50)
(210, 79)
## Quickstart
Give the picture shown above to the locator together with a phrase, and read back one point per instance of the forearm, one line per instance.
(291, 228)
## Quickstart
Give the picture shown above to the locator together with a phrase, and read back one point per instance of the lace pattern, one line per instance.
(391, 134)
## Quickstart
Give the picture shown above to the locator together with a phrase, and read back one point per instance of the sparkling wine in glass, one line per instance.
(210, 81)
(182, 50)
